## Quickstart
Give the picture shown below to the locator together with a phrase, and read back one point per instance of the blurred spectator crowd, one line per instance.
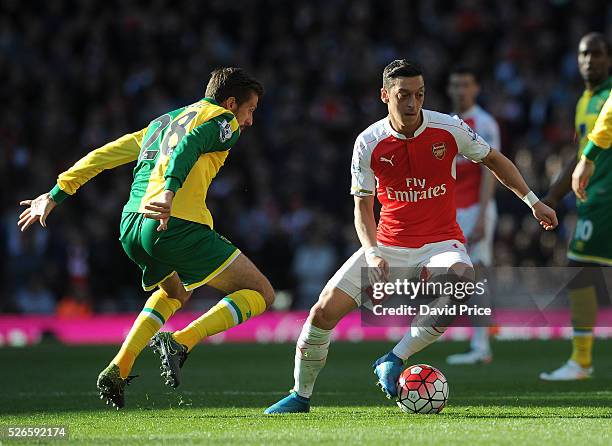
(76, 74)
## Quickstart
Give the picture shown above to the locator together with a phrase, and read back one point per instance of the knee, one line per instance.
(267, 292)
(320, 317)
(462, 272)
(321, 314)
(185, 296)
(462, 276)
(180, 294)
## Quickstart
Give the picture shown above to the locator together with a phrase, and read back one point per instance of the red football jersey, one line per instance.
(414, 178)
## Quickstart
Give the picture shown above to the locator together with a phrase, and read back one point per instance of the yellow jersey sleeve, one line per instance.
(601, 135)
(116, 153)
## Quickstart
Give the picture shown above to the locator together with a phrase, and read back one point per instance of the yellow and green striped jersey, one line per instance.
(600, 137)
(588, 109)
(182, 151)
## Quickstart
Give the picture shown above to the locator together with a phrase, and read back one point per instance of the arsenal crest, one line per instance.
(438, 150)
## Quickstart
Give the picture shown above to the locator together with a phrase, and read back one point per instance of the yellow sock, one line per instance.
(232, 310)
(157, 310)
(584, 313)
(582, 348)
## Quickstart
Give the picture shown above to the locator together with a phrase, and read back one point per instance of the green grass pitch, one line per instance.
(226, 388)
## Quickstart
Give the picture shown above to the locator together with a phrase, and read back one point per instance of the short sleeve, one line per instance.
(470, 144)
(363, 182)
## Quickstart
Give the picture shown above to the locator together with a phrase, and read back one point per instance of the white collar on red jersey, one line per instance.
(417, 132)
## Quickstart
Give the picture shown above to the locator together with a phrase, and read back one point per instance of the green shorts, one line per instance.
(194, 251)
(592, 239)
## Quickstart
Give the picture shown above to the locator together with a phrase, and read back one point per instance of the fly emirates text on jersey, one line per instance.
(417, 190)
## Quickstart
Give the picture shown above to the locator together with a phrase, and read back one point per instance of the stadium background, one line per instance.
(76, 74)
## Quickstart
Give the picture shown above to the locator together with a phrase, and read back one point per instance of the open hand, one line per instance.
(160, 209)
(580, 177)
(545, 215)
(37, 209)
(378, 270)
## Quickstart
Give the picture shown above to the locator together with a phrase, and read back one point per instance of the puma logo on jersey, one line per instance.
(387, 160)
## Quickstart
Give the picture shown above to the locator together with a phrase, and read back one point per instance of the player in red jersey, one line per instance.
(476, 208)
(407, 159)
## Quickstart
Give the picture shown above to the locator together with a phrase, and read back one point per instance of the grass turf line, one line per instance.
(226, 387)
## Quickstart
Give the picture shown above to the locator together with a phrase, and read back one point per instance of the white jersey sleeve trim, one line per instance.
(363, 180)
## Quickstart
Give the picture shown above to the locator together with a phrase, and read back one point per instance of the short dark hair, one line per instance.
(599, 37)
(399, 68)
(232, 82)
(464, 69)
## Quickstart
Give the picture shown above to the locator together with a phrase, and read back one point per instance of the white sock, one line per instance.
(310, 356)
(424, 330)
(416, 339)
(480, 339)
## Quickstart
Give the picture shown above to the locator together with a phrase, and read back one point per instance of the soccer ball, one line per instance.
(422, 388)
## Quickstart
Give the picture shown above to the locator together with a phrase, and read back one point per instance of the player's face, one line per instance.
(593, 60)
(463, 91)
(244, 112)
(404, 99)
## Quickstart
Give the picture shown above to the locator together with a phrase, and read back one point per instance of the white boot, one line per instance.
(570, 371)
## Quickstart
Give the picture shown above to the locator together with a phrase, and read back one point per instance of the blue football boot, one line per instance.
(388, 369)
(293, 403)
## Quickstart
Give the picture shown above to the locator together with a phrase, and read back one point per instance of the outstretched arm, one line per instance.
(507, 173)
(116, 153)
(113, 154)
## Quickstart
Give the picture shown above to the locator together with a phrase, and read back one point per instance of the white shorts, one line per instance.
(481, 251)
(432, 255)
